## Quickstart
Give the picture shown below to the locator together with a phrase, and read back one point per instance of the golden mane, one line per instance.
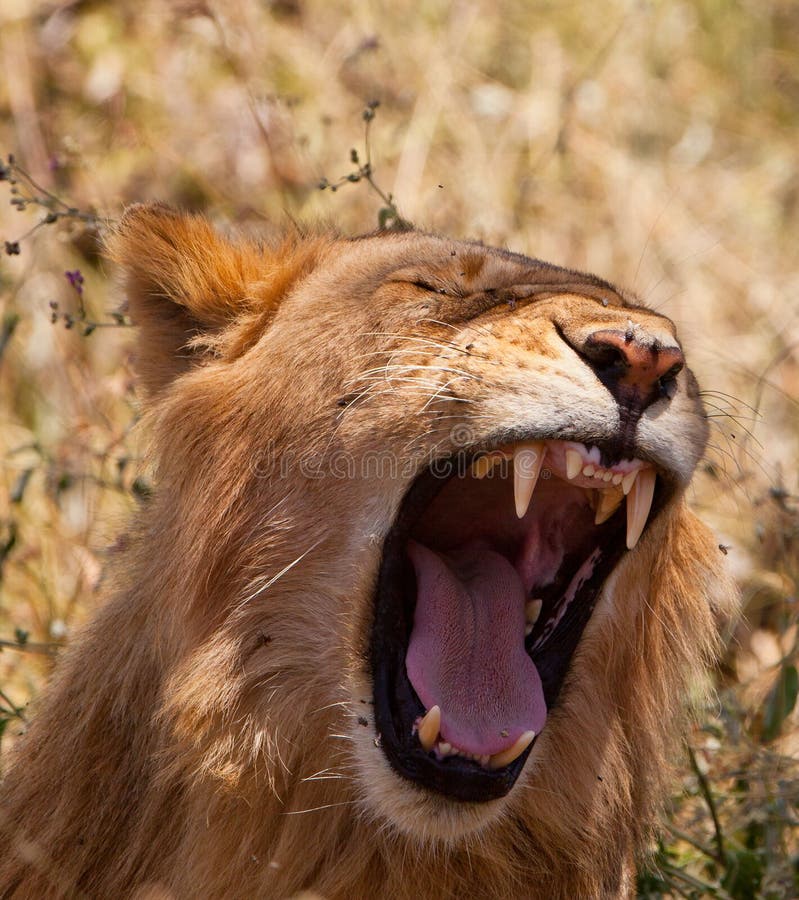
(212, 732)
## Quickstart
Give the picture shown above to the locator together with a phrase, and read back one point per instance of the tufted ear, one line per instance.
(192, 292)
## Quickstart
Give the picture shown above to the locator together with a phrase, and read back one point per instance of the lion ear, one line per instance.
(186, 284)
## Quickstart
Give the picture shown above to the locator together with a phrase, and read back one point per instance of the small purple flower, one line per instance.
(76, 280)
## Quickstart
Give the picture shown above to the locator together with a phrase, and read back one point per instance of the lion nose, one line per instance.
(633, 364)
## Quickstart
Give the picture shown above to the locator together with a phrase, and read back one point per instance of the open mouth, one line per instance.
(489, 576)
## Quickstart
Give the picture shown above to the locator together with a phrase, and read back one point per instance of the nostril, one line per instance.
(601, 356)
(667, 383)
(632, 361)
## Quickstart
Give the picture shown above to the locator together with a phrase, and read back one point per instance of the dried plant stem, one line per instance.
(707, 793)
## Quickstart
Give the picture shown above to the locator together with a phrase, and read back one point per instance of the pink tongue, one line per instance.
(466, 653)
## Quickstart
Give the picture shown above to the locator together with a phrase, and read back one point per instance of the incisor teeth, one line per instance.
(639, 502)
(429, 727)
(629, 480)
(589, 470)
(499, 760)
(527, 462)
(609, 502)
(574, 464)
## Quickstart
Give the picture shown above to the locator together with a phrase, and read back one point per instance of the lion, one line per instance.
(416, 603)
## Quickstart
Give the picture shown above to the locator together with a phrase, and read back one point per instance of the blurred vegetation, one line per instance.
(654, 143)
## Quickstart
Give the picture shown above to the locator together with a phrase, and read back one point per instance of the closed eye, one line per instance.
(426, 286)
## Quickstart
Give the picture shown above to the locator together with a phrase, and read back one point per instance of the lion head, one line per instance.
(416, 603)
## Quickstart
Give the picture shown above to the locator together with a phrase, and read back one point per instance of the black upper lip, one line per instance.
(396, 703)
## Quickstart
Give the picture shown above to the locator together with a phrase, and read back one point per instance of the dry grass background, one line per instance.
(654, 143)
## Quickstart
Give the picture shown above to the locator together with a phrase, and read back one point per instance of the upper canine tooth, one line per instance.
(574, 464)
(609, 501)
(639, 502)
(429, 727)
(505, 757)
(629, 480)
(527, 462)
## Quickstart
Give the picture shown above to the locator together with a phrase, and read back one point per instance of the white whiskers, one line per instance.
(278, 576)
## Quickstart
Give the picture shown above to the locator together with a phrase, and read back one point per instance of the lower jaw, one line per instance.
(455, 778)
(425, 817)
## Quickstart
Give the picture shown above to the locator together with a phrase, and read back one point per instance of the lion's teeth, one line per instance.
(499, 760)
(629, 480)
(483, 465)
(639, 502)
(574, 464)
(527, 463)
(609, 501)
(532, 610)
(617, 478)
(429, 727)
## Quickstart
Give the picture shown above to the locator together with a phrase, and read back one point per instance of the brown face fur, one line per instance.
(212, 732)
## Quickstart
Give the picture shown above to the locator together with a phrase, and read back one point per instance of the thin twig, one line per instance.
(693, 882)
(12, 707)
(389, 217)
(690, 839)
(48, 649)
(26, 191)
(704, 787)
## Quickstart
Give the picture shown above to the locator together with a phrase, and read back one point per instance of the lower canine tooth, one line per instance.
(609, 502)
(429, 727)
(532, 610)
(639, 502)
(574, 464)
(527, 461)
(506, 757)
